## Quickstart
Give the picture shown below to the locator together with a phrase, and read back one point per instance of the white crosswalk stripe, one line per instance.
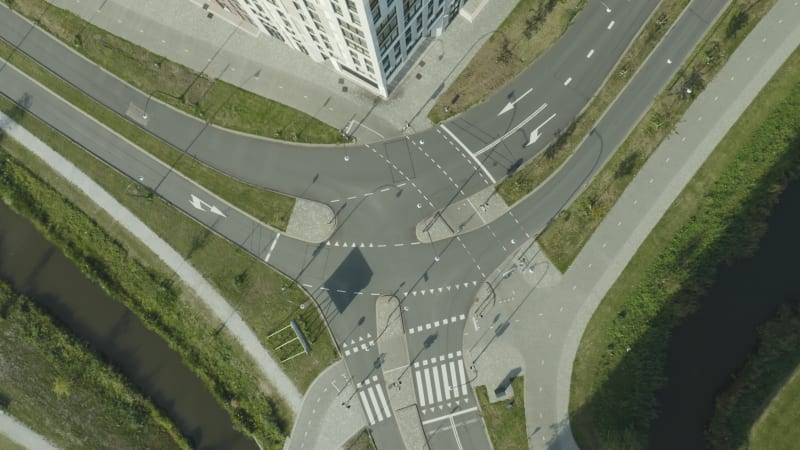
(374, 401)
(440, 379)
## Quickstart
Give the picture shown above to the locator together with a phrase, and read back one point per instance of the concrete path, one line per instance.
(22, 435)
(530, 326)
(181, 31)
(330, 413)
(218, 305)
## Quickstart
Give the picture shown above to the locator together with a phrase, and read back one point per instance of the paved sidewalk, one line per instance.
(537, 327)
(22, 435)
(216, 303)
(331, 413)
(181, 31)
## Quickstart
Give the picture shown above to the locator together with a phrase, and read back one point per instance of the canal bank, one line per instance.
(40, 271)
(706, 350)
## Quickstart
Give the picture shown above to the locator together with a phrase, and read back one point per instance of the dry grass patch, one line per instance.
(531, 28)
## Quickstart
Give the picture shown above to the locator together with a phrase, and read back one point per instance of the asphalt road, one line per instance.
(381, 191)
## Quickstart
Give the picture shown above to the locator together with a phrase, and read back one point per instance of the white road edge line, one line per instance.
(474, 158)
(450, 415)
(272, 247)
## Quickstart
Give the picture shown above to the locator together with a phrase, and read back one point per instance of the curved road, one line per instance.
(381, 191)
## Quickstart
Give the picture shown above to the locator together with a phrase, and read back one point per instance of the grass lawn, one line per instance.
(8, 444)
(506, 425)
(566, 235)
(759, 408)
(181, 87)
(269, 207)
(777, 429)
(361, 441)
(57, 386)
(249, 284)
(719, 216)
(537, 170)
(528, 31)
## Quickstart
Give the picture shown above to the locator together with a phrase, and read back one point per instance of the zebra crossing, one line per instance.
(440, 380)
(373, 399)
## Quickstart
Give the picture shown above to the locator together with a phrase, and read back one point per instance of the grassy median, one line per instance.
(269, 207)
(59, 387)
(526, 179)
(194, 93)
(506, 425)
(761, 406)
(531, 28)
(719, 216)
(566, 235)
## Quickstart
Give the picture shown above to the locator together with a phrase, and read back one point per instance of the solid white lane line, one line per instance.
(386, 410)
(437, 385)
(428, 387)
(466, 150)
(272, 247)
(375, 404)
(453, 378)
(420, 394)
(446, 382)
(365, 404)
(455, 433)
(463, 378)
(455, 414)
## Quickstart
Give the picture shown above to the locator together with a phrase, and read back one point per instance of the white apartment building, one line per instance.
(369, 41)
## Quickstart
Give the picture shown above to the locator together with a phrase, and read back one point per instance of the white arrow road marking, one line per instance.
(511, 105)
(201, 205)
(492, 144)
(535, 135)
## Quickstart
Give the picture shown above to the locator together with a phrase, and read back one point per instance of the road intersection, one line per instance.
(379, 192)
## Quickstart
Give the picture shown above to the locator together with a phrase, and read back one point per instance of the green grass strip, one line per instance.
(506, 425)
(566, 235)
(719, 216)
(59, 387)
(269, 207)
(761, 407)
(228, 105)
(215, 357)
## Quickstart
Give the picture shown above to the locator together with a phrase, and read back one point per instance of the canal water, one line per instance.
(38, 269)
(718, 338)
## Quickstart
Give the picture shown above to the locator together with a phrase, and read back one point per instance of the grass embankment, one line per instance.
(761, 407)
(527, 178)
(7, 444)
(719, 216)
(506, 425)
(264, 298)
(214, 356)
(226, 105)
(361, 441)
(531, 28)
(269, 207)
(566, 235)
(60, 388)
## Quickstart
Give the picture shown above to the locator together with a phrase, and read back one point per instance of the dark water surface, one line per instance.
(38, 269)
(717, 339)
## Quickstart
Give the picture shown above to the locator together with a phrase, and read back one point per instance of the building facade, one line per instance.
(369, 41)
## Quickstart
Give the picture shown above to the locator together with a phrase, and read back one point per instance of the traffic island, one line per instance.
(463, 216)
